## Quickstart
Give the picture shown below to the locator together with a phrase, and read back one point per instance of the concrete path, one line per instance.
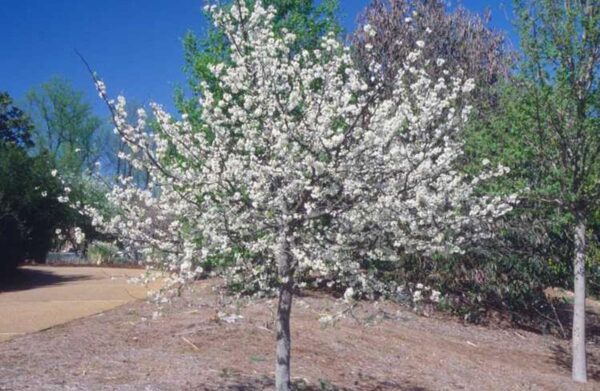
(45, 296)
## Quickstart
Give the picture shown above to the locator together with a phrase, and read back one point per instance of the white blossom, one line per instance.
(349, 294)
(369, 30)
(296, 146)
(79, 235)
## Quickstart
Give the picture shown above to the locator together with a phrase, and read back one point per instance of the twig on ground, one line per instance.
(196, 348)
(264, 328)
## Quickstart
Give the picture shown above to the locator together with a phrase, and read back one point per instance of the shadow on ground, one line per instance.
(562, 356)
(23, 279)
(261, 383)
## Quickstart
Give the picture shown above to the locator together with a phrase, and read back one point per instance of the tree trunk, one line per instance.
(579, 357)
(284, 308)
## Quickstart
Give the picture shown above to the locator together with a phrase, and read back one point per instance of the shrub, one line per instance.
(104, 252)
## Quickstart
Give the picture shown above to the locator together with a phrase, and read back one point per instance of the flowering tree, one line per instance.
(300, 166)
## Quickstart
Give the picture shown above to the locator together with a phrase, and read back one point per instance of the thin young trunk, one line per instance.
(579, 357)
(284, 308)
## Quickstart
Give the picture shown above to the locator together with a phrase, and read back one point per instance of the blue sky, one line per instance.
(135, 45)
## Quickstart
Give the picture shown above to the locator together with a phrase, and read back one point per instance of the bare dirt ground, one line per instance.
(188, 346)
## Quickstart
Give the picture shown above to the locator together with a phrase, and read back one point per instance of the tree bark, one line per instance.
(284, 309)
(579, 355)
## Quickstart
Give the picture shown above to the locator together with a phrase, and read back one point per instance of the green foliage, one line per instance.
(29, 208)
(65, 126)
(67, 131)
(28, 192)
(15, 126)
(545, 128)
(34, 177)
(556, 105)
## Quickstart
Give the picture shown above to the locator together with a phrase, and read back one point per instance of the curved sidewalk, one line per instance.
(46, 296)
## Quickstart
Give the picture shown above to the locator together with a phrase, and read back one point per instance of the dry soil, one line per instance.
(189, 346)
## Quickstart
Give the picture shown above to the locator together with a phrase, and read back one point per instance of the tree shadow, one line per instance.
(562, 357)
(24, 279)
(263, 382)
(561, 353)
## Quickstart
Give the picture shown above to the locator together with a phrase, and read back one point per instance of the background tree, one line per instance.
(560, 78)
(15, 135)
(65, 126)
(77, 141)
(389, 30)
(30, 196)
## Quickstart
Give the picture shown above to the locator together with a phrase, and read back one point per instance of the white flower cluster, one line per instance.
(422, 298)
(297, 158)
(423, 293)
(78, 235)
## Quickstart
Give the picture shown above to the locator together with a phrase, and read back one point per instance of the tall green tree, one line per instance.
(15, 137)
(30, 209)
(74, 139)
(65, 125)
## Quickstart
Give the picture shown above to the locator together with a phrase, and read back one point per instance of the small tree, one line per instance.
(558, 106)
(547, 129)
(300, 165)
